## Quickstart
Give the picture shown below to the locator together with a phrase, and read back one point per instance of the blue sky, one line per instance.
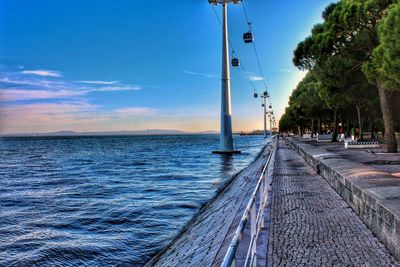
(131, 65)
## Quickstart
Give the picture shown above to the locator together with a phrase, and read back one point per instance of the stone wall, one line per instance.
(374, 195)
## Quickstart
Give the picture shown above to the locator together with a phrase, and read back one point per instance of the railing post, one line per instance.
(262, 202)
(253, 216)
(253, 227)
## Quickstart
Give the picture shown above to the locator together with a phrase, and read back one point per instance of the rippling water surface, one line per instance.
(105, 200)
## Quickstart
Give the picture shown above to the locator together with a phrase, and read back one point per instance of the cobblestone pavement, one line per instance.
(311, 225)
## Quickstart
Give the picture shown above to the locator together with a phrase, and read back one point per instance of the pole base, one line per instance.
(227, 152)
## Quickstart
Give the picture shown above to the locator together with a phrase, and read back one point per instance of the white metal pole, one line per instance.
(265, 116)
(226, 141)
(270, 123)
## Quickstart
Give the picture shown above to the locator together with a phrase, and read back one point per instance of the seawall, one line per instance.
(205, 239)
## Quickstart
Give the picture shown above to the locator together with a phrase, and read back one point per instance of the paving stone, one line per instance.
(310, 224)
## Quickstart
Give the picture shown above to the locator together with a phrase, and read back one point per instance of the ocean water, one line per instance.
(69, 201)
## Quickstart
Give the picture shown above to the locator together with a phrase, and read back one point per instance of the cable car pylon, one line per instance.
(226, 140)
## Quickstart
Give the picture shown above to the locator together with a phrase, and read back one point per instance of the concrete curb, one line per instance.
(374, 195)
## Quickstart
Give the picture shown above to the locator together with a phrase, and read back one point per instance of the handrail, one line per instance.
(256, 220)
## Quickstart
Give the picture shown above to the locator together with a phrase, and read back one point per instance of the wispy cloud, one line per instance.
(206, 75)
(78, 116)
(98, 82)
(45, 73)
(134, 111)
(256, 78)
(16, 80)
(115, 88)
(42, 101)
(46, 116)
(16, 86)
(21, 94)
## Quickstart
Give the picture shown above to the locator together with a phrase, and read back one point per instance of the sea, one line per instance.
(106, 200)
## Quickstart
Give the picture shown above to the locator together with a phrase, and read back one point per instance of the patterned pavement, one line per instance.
(311, 225)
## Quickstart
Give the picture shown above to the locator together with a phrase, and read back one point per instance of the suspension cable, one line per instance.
(233, 48)
(256, 54)
(254, 46)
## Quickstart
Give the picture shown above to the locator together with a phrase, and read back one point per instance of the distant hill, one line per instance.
(138, 132)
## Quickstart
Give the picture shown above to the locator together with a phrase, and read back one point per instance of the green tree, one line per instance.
(389, 35)
(349, 30)
(381, 69)
(305, 105)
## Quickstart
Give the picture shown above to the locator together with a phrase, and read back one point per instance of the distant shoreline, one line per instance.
(116, 133)
(111, 133)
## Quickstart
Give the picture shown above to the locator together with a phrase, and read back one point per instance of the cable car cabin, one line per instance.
(255, 95)
(248, 37)
(235, 62)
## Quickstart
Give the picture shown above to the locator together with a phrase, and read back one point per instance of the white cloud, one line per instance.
(75, 116)
(46, 73)
(21, 94)
(134, 111)
(15, 86)
(256, 78)
(30, 82)
(115, 88)
(11, 94)
(98, 82)
(206, 75)
(46, 116)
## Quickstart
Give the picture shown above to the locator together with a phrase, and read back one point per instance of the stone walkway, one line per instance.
(311, 225)
(206, 238)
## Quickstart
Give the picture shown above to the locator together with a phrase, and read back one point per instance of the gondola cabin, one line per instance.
(248, 37)
(235, 62)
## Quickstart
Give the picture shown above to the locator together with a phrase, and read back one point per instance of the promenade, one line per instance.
(312, 225)
(307, 224)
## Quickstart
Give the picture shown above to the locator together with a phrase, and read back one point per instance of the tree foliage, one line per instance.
(354, 56)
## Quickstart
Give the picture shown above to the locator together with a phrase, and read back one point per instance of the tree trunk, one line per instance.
(334, 135)
(386, 108)
(371, 126)
(319, 125)
(347, 128)
(299, 130)
(359, 122)
(312, 127)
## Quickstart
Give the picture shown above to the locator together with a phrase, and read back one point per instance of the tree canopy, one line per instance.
(353, 59)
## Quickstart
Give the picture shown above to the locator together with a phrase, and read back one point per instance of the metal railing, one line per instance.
(256, 217)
